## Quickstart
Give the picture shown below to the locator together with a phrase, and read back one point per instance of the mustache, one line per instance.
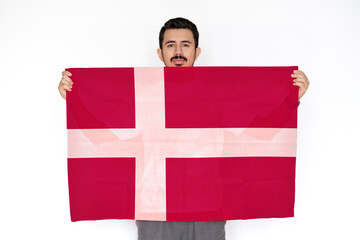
(178, 57)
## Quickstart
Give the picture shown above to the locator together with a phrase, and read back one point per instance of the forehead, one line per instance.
(178, 35)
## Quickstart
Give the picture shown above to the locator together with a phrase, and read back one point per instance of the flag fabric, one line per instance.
(182, 144)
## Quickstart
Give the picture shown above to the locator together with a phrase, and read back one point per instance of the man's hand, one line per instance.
(65, 84)
(301, 81)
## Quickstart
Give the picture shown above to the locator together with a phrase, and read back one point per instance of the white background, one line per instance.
(39, 38)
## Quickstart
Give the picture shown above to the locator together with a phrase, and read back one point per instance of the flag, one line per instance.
(182, 144)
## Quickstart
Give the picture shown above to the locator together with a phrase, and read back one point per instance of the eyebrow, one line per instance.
(184, 41)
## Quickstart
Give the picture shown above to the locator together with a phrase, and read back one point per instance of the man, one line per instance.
(178, 47)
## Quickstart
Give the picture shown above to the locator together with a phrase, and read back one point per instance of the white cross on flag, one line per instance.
(182, 144)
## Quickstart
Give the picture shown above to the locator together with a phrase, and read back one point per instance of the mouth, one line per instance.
(178, 60)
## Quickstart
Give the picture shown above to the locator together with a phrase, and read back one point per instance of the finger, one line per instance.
(66, 87)
(298, 75)
(300, 85)
(300, 78)
(68, 80)
(67, 73)
(298, 71)
(65, 83)
(306, 84)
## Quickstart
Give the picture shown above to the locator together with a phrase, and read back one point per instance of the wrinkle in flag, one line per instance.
(182, 144)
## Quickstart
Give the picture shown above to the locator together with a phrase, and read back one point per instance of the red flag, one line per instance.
(182, 144)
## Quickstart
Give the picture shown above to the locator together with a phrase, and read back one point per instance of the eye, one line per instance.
(186, 45)
(170, 45)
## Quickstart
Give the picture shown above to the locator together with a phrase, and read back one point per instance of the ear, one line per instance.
(159, 52)
(197, 52)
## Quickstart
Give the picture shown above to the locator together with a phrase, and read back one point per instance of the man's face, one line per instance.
(178, 48)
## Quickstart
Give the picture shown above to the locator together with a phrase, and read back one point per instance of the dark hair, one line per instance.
(179, 23)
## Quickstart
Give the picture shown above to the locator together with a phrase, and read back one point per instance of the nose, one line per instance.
(178, 50)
